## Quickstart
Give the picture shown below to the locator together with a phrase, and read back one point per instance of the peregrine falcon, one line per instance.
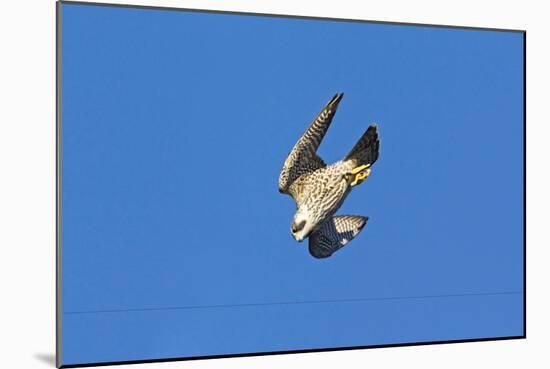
(319, 189)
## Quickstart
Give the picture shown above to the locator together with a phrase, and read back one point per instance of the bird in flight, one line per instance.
(319, 189)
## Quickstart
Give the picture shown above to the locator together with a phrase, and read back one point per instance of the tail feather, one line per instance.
(366, 149)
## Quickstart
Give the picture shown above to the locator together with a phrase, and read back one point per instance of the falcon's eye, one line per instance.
(297, 227)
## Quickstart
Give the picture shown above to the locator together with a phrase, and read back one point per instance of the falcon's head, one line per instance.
(302, 224)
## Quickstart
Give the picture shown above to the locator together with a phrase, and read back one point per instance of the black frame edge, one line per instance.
(306, 17)
(305, 351)
(525, 184)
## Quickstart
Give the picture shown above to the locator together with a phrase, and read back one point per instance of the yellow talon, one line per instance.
(361, 173)
(360, 168)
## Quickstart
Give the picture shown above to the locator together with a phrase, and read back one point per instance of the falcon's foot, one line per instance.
(361, 173)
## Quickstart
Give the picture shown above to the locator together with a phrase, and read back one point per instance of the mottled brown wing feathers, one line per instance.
(303, 158)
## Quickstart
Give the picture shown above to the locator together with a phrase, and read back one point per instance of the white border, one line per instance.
(27, 201)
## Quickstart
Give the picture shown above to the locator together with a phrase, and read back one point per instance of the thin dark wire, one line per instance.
(294, 302)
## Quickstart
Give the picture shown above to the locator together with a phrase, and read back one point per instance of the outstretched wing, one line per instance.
(334, 234)
(303, 158)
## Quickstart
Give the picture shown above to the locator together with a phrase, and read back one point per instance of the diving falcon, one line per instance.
(319, 189)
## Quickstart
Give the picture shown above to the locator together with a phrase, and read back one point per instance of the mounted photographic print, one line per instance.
(235, 184)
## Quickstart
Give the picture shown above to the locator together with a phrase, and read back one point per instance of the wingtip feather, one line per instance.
(336, 99)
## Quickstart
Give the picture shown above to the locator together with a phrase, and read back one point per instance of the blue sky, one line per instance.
(176, 241)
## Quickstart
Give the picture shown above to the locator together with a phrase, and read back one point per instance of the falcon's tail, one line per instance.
(366, 149)
(334, 234)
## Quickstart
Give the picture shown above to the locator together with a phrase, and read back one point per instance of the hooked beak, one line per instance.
(298, 238)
